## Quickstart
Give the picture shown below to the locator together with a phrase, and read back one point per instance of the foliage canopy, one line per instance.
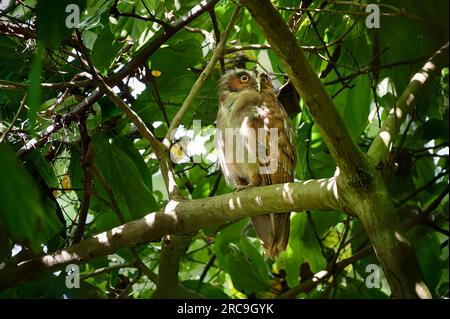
(70, 159)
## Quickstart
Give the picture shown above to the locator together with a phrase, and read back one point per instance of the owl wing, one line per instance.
(280, 153)
(273, 229)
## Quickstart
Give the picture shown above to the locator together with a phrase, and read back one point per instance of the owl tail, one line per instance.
(273, 230)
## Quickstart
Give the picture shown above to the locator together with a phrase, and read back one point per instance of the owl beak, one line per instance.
(258, 84)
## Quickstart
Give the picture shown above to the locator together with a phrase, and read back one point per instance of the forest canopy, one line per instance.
(109, 181)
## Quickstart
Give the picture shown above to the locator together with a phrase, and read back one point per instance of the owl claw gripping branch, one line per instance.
(252, 124)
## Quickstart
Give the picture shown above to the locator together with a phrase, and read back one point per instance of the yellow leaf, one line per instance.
(156, 73)
(66, 182)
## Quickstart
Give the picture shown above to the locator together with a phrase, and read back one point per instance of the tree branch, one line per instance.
(87, 158)
(174, 247)
(184, 217)
(10, 85)
(382, 144)
(323, 275)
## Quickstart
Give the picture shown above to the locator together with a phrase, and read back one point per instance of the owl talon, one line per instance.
(238, 189)
(244, 188)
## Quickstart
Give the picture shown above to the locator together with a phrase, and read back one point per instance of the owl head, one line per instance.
(237, 80)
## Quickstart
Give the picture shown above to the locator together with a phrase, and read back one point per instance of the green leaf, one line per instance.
(302, 150)
(244, 272)
(123, 176)
(43, 167)
(354, 105)
(5, 244)
(51, 20)
(433, 129)
(94, 118)
(27, 221)
(128, 147)
(184, 49)
(230, 234)
(303, 247)
(351, 287)
(257, 261)
(428, 251)
(104, 50)
(207, 290)
(238, 257)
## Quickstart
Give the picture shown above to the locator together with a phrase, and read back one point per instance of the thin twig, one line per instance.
(355, 13)
(369, 69)
(88, 155)
(323, 275)
(142, 267)
(106, 269)
(151, 80)
(202, 78)
(423, 187)
(130, 285)
(22, 104)
(10, 85)
(150, 18)
(216, 30)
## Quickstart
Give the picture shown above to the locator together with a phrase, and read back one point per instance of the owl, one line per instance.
(255, 145)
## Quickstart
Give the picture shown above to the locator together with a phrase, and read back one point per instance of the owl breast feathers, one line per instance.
(256, 145)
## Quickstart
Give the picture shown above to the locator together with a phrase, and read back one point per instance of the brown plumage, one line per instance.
(249, 106)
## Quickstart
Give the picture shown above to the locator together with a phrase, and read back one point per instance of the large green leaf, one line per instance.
(123, 176)
(230, 234)
(51, 20)
(303, 247)
(432, 129)
(104, 50)
(28, 221)
(41, 165)
(249, 274)
(354, 105)
(428, 252)
(238, 257)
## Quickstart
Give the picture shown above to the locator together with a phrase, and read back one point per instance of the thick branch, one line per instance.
(174, 247)
(184, 218)
(405, 104)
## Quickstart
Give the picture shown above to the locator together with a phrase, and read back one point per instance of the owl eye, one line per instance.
(244, 78)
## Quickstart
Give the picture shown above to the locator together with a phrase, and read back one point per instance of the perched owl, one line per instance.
(256, 145)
